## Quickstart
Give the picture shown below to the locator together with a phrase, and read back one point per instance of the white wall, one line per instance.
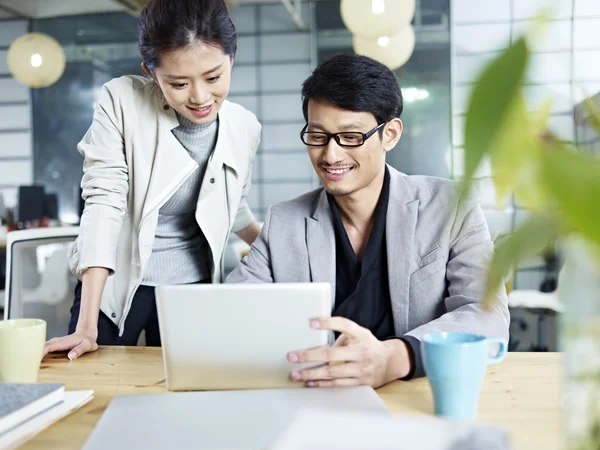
(16, 154)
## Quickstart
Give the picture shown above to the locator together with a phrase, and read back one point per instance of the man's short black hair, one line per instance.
(355, 83)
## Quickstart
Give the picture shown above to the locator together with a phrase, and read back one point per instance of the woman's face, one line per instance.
(195, 80)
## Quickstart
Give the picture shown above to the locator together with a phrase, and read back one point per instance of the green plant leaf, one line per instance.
(526, 241)
(573, 180)
(515, 153)
(594, 114)
(490, 101)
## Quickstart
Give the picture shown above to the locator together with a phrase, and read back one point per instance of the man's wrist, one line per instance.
(399, 361)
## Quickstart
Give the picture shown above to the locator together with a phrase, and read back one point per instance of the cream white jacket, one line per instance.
(132, 166)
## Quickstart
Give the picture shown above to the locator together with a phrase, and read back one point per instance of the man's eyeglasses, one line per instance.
(343, 139)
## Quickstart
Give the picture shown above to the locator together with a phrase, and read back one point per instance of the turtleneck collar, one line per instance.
(189, 126)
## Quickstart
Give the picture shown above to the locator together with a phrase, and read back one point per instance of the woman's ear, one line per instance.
(147, 71)
(392, 133)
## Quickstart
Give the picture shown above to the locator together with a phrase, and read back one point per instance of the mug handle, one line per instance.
(501, 351)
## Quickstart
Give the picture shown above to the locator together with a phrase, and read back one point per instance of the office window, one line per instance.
(98, 47)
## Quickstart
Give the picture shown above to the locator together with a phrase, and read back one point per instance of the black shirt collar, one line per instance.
(376, 238)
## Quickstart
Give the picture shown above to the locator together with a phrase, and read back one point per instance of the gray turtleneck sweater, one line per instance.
(180, 253)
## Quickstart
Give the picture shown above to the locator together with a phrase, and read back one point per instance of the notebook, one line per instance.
(22, 401)
(16, 436)
(218, 420)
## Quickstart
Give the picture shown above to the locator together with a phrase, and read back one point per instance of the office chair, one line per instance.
(2, 209)
(38, 281)
(3, 214)
(542, 303)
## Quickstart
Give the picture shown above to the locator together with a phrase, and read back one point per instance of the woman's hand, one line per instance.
(86, 332)
(80, 342)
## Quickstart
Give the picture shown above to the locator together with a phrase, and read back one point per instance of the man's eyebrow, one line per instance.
(313, 125)
(344, 127)
(350, 126)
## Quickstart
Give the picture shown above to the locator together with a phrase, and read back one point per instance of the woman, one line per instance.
(166, 171)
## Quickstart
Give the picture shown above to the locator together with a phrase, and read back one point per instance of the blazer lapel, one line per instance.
(211, 215)
(223, 157)
(320, 240)
(400, 230)
(172, 163)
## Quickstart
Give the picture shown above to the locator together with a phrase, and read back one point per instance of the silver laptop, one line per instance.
(220, 420)
(237, 336)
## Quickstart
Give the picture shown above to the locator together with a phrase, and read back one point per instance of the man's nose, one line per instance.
(332, 152)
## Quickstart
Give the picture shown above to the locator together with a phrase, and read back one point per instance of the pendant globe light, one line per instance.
(36, 60)
(371, 19)
(391, 51)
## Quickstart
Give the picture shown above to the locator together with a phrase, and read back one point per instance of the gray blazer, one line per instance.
(438, 249)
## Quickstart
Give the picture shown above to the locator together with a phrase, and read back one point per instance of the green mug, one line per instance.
(21, 349)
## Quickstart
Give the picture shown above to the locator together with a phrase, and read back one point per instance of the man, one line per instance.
(405, 255)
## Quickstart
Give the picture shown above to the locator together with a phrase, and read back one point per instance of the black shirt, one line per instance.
(362, 290)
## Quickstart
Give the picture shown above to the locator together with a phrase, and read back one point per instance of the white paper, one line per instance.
(72, 401)
(326, 430)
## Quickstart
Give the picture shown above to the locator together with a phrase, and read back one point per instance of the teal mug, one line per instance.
(455, 364)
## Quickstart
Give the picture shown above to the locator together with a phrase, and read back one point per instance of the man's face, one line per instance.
(342, 170)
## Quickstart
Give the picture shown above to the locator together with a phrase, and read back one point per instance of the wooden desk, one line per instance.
(521, 394)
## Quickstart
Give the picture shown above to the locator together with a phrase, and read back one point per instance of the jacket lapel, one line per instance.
(211, 216)
(223, 160)
(172, 163)
(400, 230)
(320, 240)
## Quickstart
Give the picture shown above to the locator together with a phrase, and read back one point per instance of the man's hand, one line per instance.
(356, 358)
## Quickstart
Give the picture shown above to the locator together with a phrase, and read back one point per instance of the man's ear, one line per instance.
(147, 71)
(392, 133)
